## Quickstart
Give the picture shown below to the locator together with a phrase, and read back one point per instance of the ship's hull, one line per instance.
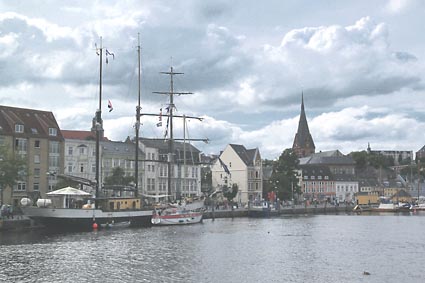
(83, 219)
(177, 219)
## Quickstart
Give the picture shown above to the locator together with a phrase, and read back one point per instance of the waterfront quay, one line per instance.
(22, 223)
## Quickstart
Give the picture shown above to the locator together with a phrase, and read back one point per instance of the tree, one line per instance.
(118, 180)
(284, 178)
(12, 169)
(206, 180)
(230, 194)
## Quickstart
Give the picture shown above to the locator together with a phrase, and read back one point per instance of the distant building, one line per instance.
(121, 154)
(80, 155)
(185, 174)
(241, 166)
(420, 154)
(317, 182)
(36, 137)
(303, 142)
(399, 156)
(337, 162)
(328, 175)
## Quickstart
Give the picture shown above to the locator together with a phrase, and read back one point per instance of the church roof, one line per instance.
(303, 137)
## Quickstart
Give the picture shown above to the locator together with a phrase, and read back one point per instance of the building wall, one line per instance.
(38, 158)
(80, 160)
(346, 190)
(248, 178)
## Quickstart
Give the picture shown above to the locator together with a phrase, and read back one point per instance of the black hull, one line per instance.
(86, 224)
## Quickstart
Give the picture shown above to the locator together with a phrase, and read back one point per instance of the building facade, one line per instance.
(35, 136)
(329, 175)
(399, 156)
(241, 166)
(185, 179)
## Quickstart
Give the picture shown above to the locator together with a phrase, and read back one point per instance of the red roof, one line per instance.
(80, 135)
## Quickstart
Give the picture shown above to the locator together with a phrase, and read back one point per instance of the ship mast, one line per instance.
(97, 125)
(137, 126)
(171, 94)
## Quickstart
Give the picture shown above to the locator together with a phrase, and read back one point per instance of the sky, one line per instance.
(358, 64)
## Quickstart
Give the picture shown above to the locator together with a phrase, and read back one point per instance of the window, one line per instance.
(153, 156)
(82, 150)
(36, 172)
(36, 158)
(81, 168)
(19, 128)
(34, 131)
(93, 168)
(37, 144)
(70, 150)
(54, 147)
(36, 187)
(21, 186)
(21, 145)
(53, 161)
(70, 167)
(53, 132)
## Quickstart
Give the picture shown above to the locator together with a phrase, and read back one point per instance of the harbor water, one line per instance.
(313, 248)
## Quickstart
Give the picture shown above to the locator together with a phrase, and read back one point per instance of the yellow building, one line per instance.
(367, 198)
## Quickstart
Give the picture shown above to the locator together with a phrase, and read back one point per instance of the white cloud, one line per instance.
(397, 6)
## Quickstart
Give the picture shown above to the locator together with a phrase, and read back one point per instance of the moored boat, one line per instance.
(179, 214)
(76, 209)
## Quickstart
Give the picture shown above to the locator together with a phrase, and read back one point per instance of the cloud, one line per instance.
(397, 6)
(340, 61)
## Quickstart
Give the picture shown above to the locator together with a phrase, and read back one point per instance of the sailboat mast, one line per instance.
(170, 140)
(98, 126)
(171, 93)
(184, 151)
(137, 127)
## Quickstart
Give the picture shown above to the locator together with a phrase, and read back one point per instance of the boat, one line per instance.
(393, 207)
(259, 209)
(180, 212)
(77, 210)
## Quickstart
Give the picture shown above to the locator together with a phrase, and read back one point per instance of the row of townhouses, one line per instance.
(35, 136)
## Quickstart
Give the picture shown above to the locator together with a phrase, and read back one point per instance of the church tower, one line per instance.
(303, 142)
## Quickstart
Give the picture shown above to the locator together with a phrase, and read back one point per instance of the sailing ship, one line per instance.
(183, 211)
(79, 211)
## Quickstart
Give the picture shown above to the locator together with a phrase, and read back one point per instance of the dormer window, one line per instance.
(19, 128)
(53, 132)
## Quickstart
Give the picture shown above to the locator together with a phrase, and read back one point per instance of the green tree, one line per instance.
(117, 181)
(230, 194)
(206, 180)
(118, 178)
(361, 159)
(284, 178)
(12, 169)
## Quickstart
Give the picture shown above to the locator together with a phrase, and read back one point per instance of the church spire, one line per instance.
(303, 142)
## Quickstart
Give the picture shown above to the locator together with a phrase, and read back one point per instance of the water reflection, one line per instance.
(327, 248)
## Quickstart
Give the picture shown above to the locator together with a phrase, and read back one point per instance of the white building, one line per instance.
(346, 187)
(185, 175)
(80, 155)
(245, 168)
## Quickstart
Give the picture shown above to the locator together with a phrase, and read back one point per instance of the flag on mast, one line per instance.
(159, 124)
(111, 54)
(226, 169)
(110, 106)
